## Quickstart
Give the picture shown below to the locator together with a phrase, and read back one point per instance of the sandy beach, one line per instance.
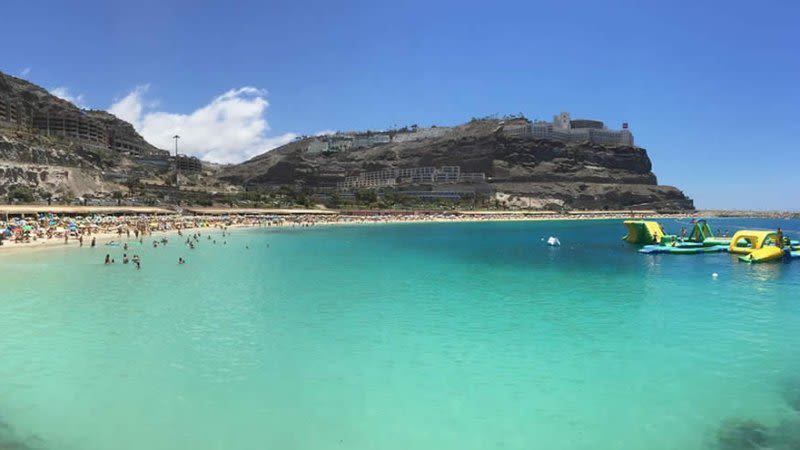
(38, 227)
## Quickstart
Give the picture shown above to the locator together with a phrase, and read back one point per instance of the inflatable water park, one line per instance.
(752, 246)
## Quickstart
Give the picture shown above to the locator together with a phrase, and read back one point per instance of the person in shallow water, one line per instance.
(124, 258)
(779, 238)
(181, 260)
(108, 259)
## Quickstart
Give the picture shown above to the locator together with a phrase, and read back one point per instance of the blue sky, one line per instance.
(710, 89)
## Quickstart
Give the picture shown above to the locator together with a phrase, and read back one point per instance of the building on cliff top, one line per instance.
(564, 128)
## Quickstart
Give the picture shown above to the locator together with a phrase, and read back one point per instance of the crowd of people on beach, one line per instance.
(80, 230)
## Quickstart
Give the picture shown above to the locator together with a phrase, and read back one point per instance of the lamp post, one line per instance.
(177, 165)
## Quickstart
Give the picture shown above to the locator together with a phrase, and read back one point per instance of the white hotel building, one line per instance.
(564, 128)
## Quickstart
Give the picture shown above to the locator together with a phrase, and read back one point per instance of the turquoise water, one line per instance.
(430, 336)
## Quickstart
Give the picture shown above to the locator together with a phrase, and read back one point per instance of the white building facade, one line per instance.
(564, 128)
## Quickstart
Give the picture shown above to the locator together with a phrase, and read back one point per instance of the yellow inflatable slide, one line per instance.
(763, 255)
(643, 232)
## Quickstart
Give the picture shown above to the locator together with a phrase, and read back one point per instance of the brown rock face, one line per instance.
(49, 144)
(583, 176)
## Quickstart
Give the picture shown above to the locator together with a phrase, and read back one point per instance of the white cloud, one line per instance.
(24, 72)
(231, 128)
(64, 94)
(130, 107)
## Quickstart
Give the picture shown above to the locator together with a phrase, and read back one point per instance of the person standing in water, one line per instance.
(93, 242)
(779, 238)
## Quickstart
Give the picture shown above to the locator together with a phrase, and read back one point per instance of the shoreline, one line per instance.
(302, 221)
(157, 225)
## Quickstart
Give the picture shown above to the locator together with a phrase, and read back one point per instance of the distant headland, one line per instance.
(53, 151)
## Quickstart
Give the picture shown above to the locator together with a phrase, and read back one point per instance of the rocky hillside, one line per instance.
(26, 105)
(50, 145)
(520, 171)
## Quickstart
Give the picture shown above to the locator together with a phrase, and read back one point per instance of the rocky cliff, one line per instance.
(50, 145)
(520, 171)
(57, 167)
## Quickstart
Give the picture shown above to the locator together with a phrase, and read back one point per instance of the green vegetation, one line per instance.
(68, 197)
(118, 196)
(22, 194)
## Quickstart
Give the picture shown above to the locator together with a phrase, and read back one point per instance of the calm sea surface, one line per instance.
(431, 336)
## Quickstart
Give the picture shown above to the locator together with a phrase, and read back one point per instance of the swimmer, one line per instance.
(108, 259)
(181, 261)
(125, 258)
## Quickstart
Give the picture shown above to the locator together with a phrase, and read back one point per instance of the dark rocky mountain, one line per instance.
(519, 171)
